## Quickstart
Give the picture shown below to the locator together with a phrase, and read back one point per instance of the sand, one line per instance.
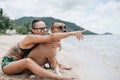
(6, 41)
(87, 64)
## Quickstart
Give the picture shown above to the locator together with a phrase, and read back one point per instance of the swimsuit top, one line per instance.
(26, 51)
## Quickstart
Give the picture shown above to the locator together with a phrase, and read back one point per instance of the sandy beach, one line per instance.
(7, 41)
(91, 58)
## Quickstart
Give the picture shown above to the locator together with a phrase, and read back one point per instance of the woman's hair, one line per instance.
(32, 25)
(34, 21)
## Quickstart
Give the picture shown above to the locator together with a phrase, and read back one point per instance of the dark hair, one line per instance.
(34, 21)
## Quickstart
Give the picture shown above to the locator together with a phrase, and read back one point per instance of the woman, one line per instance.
(14, 62)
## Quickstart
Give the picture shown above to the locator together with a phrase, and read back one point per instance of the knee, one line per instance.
(28, 61)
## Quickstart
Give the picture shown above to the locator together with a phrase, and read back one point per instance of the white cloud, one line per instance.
(91, 14)
(2, 4)
(42, 8)
(105, 18)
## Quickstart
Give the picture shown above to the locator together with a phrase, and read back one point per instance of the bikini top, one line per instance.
(26, 51)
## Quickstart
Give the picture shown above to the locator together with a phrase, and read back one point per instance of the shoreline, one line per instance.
(88, 62)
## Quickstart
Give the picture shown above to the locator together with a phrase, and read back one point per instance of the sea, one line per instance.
(102, 45)
(99, 54)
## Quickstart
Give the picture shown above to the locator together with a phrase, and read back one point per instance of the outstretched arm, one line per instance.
(54, 37)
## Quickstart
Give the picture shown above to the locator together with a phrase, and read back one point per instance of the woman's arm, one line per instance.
(54, 37)
(58, 36)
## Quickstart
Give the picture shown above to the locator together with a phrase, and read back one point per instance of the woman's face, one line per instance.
(39, 28)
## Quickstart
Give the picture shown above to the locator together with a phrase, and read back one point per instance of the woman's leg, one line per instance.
(27, 63)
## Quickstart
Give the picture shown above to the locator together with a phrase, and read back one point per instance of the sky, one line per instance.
(98, 16)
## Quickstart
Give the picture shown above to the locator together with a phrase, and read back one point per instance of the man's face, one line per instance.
(39, 28)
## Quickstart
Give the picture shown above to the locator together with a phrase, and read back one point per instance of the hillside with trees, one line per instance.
(48, 20)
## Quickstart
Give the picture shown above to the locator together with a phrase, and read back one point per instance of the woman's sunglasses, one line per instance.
(41, 29)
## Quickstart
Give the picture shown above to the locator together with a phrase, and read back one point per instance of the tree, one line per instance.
(2, 26)
(27, 25)
(1, 11)
(21, 29)
(5, 22)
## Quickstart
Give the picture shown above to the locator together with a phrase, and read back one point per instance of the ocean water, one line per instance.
(104, 47)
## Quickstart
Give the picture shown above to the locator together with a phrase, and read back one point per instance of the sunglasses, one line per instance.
(41, 29)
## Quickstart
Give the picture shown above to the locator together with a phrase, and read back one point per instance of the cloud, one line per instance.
(42, 8)
(104, 18)
(95, 15)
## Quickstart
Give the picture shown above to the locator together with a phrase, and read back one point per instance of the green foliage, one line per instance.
(21, 29)
(2, 31)
(2, 25)
(5, 22)
(27, 25)
(1, 11)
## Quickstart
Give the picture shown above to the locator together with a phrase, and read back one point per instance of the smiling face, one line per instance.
(58, 27)
(39, 28)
